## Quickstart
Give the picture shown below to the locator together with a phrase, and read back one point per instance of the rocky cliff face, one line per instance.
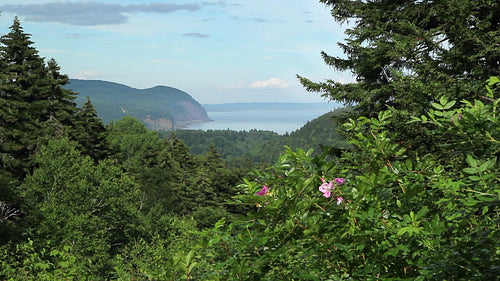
(159, 124)
(160, 107)
(193, 112)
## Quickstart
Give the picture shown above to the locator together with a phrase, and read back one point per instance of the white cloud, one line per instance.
(270, 83)
(88, 74)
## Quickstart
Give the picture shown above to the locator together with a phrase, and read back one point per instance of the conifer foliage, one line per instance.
(405, 53)
(34, 105)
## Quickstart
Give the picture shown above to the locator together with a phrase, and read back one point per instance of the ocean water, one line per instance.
(280, 118)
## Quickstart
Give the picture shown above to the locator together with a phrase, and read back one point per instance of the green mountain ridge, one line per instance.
(159, 107)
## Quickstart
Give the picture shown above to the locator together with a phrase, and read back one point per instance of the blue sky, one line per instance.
(217, 51)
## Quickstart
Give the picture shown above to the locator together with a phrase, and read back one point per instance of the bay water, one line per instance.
(277, 117)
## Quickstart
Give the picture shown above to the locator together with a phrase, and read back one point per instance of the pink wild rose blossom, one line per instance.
(340, 181)
(339, 200)
(263, 191)
(325, 188)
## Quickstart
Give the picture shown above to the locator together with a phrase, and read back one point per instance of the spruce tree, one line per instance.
(406, 54)
(35, 107)
(90, 132)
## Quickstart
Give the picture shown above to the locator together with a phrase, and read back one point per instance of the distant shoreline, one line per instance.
(260, 106)
(280, 118)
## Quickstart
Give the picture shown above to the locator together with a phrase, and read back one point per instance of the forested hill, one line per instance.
(160, 107)
(240, 148)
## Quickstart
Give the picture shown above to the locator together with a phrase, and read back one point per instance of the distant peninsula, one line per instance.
(160, 107)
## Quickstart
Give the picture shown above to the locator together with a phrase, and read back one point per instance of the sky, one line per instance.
(216, 51)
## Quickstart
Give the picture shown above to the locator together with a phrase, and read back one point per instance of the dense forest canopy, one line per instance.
(410, 192)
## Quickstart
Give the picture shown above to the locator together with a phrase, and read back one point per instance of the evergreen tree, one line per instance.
(34, 105)
(90, 132)
(62, 108)
(183, 170)
(406, 54)
(213, 158)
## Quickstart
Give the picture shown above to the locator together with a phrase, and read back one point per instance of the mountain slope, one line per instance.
(160, 107)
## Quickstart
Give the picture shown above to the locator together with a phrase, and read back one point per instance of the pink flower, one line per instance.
(327, 193)
(263, 191)
(340, 181)
(325, 188)
(339, 200)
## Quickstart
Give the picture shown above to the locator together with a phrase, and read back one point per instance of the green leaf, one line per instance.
(412, 216)
(262, 241)
(493, 80)
(471, 161)
(192, 265)
(443, 100)
(411, 230)
(54, 252)
(214, 241)
(422, 212)
(176, 260)
(487, 165)
(392, 252)
(189, 256)
(470, 202)
(414, 119)
(384, 115)
(474, 178)
(435, 221)
(409, 164)
(449, 105)
(470, 171)
(437, 106)
(440, 113)
(309, 231)
(220, 223)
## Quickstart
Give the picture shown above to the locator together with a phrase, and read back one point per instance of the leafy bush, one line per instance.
(397, 215)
